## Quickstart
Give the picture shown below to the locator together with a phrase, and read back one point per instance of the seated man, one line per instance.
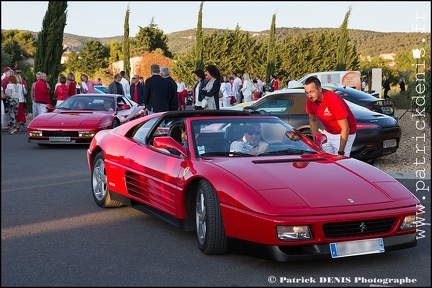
(81, 105)
(108, 105)
(292, 135)
(251, 142)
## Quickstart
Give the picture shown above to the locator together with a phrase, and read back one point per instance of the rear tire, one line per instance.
(100, 191)
(210, 230)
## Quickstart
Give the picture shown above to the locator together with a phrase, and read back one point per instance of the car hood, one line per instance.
(315, 182)
(68, 119)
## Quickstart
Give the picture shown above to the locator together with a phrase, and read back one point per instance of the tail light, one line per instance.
(363, 126)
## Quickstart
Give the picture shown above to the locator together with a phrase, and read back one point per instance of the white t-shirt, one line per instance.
(181, 86)
(236, 85)
(126, 86)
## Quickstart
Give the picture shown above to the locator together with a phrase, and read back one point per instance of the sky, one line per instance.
(106, 19)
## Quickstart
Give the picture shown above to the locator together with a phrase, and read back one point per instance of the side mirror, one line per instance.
(50, 108)
(167, 142)
(320, 139)
(124, 107)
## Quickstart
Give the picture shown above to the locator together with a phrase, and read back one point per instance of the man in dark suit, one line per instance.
(158, 94)
(165, 73)
(137, 90)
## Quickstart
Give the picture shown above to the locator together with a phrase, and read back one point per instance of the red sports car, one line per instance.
(80, 117)
(250, 183)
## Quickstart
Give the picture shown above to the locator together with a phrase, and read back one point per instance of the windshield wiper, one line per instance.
(232, 153)
(289, 151)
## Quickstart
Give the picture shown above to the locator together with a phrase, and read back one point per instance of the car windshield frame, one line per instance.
(273, 132)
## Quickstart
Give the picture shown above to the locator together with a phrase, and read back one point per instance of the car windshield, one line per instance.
(92, 103)
(247, 137)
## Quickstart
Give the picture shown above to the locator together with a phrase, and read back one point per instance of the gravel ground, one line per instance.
(415, 146)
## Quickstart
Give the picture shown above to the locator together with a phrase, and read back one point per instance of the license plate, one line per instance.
(354, 248)
(59, 139)
(389, 143)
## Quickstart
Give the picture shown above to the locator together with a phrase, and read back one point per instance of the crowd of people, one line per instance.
(211, 91)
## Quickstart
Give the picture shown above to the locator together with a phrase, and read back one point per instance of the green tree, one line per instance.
(115, 51)
(72, 62)
(6, 60)
(148, 39)
(50, 42)
(271, 52)
(92, 57)
(11, 48)
(342, 56)
(126, 45)
(24, 39)
(199, 63)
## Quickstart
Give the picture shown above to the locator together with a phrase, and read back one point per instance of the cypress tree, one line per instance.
(271, 52)
(343, 47)
(126, 45)
(50, 42)
(199, 63)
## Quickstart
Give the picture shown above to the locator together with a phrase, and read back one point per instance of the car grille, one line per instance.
(358, 228)
(60, 133)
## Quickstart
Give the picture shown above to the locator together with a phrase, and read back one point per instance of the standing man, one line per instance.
(165, 73)
(237, 85)
(386, 87)
(137, 90)
(42, 93)
(159, 95)
(334, 114)
(115, 87)
(125, 83)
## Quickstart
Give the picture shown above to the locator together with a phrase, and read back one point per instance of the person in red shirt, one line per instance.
(61, 92)
(71, 83)
(42, 93)
(334, 114)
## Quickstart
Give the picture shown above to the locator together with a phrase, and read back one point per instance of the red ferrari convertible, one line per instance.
(252, 184)
(77, 119)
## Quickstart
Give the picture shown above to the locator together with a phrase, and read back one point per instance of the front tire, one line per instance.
(210, 230)
(101, 194)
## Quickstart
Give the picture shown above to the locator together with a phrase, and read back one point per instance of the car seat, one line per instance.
(233, 133)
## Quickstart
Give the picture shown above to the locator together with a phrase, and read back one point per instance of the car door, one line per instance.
(153, 175)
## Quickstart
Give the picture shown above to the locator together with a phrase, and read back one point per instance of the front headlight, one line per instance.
(86, 133)
(409, 222)
(286, 233)
(35, 134)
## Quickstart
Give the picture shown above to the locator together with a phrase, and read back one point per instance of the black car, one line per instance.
(377, 134)
(384, 106)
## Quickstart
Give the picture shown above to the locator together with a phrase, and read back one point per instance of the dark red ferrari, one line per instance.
(77, 119)
(250, 183)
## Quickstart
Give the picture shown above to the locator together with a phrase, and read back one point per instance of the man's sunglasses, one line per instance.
(254, 132)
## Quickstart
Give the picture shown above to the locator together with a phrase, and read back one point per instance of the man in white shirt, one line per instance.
(125, 84)
(237, 85)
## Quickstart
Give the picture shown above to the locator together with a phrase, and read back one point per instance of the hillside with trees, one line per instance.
(368, 43)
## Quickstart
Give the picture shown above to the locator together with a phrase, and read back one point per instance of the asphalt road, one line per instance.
(53, 234)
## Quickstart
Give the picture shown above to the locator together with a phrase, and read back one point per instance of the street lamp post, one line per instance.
(416, 55)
